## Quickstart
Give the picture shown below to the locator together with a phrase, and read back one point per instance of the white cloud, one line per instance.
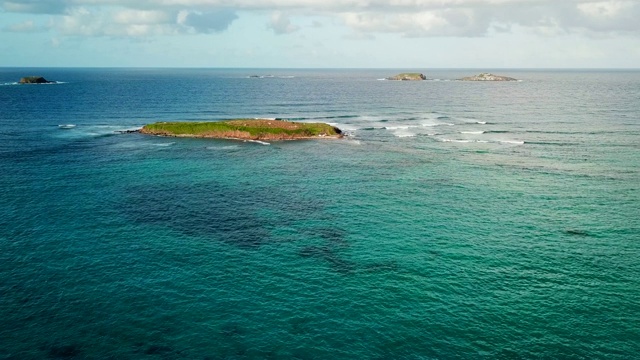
(34, 6)
(458, 22)
(24, 27)
(139, 17)
(607, 17)
(606, 9)
(208, 22)
(358, 36)
(410, 18)
(85, 22)
(281, 24)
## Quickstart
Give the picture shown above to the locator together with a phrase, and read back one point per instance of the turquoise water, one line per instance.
(458, 220)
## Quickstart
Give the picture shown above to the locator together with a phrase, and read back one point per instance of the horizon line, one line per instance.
(316, 68)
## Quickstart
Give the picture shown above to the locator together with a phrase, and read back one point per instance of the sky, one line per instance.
(321, 33)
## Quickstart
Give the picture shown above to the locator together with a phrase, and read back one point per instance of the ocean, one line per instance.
(457, 220)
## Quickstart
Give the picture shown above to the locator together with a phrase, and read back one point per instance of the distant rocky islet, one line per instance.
(399, 77)
(480, 77)
(408, 77)
(488, 77)
(35, 80)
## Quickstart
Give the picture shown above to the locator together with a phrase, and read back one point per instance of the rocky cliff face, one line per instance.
(408, 76)
(34, 80)
(488, 77)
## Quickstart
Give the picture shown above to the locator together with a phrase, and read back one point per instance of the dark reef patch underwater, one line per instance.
(458, 220)
(64, 352)
(236, 215)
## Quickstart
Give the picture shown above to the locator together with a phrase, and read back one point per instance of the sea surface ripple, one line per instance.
(456, 221)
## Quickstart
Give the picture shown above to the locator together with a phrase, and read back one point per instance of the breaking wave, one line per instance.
(258, 142)
(514, 142)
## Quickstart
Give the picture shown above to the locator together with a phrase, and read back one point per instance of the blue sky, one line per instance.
(321, 33)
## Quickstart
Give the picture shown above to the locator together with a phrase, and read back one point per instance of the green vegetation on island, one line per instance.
(408, 76)
(245, 129)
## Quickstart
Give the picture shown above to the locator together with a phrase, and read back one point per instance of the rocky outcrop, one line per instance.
(408, 77)
(35, 80)
(488, 77)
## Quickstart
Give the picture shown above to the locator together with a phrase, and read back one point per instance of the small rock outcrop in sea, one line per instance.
(408, 77)
(35, 80)
(488, 77)
(129, 131)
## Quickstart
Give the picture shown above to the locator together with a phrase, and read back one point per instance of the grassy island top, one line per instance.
(246, 129)
(408, 76)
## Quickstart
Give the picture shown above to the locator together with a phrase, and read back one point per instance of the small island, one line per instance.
(408, 77)
(35, 80)
(488, 77)
(244, 129)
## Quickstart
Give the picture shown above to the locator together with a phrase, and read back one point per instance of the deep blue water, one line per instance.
(457, 221)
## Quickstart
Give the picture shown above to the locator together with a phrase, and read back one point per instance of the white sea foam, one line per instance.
(17, 83)
(465, 141)
(403, 134)
(163, 144)
(514, 142)
(218, 148)
(397, 127)
(269, 76)
(481, 122)
(399, 124)
(432, 124)
(85, 130)
(472, 132)
(456, 140)
(258, 142)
